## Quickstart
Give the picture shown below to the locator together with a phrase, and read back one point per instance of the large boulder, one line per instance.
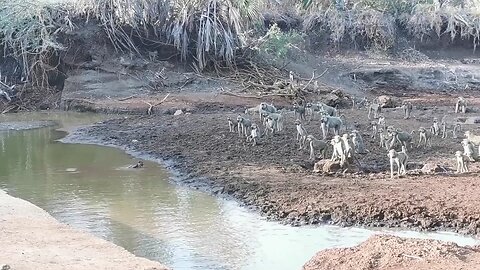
(387, 102)
(327, 166)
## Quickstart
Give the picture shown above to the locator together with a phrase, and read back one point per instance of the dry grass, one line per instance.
(377, 21)
(204, 29)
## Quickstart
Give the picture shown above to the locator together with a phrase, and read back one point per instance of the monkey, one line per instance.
(468, 149)
(264, 107)
(348, 146)
(374, 126)
(349, 151)
(374, 108)
(253, 135)
(381, 121)
(310, 111)
(152, 56)
(276, 117)
(299, 111)
(407, 109)
(331, 111)
(356, 104)
(400, 158)
(268, 107)
(384, 138)
(138, 165)
(320, 145)
(461, 105)
(231, 124)
(253, 110)
(443, 125)
(425, 137)
(462, 162)
(358, 143)
(291, 79)
(456, 128)
(338, 149)
(404, 138)
(301, 133)
(474, 139)
(270, 125)
(243, 124)
(435, 129)
(330, 122)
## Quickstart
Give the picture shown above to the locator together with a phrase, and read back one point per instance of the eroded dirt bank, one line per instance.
(32, 239)
(389, 252)
(277, 178)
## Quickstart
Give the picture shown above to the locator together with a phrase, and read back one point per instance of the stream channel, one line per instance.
(93, 189)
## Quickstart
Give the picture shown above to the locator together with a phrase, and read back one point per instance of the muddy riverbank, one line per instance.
(277, 179)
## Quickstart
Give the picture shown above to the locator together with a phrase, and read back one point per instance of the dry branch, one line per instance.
(151, 106)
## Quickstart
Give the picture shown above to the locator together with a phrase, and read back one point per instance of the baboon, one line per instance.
(291, 79)
(231, 124)
(356, 104)
(329, 110)
(456, 129)
(253, 110)
(330, 122)
(301, 134)
(474, 139)
(374, 129)
(404, 138)
(381, 122)
(358, 143)
(153, 56)
(269, 126)
(462, 162)
(276, 117)
(268, 107)
(299, 111)
(338, 149)
(384, 138)
(319, 145)
(374, 108)
(468, 149)
(253, 135)
(461, 105)
(310, 110)
(399, 158)
(407, 109)
(435, 129)
(424, 137)
(243, 124)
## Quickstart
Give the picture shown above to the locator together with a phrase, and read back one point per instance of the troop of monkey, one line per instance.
(346, 146)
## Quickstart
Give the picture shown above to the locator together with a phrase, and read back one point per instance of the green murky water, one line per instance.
(92, 189)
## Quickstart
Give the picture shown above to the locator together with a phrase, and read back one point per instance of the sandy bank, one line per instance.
(32, 239)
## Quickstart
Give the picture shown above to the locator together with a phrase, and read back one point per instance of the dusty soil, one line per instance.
(32, 239)
(277, 179)
(389, 252)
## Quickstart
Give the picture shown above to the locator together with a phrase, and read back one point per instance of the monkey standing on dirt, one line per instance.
(407, 109)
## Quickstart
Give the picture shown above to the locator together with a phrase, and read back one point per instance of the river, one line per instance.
(92, 188)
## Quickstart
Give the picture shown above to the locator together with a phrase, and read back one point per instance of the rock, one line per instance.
(386, 102)
(327, 166)
(178, 112)
(431, 168)
(332, 100)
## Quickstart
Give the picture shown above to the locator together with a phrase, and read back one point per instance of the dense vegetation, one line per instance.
(205, 30)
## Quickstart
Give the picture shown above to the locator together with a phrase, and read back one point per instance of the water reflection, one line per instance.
(144, 213)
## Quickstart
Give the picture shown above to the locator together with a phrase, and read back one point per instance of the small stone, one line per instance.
(178, 112)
